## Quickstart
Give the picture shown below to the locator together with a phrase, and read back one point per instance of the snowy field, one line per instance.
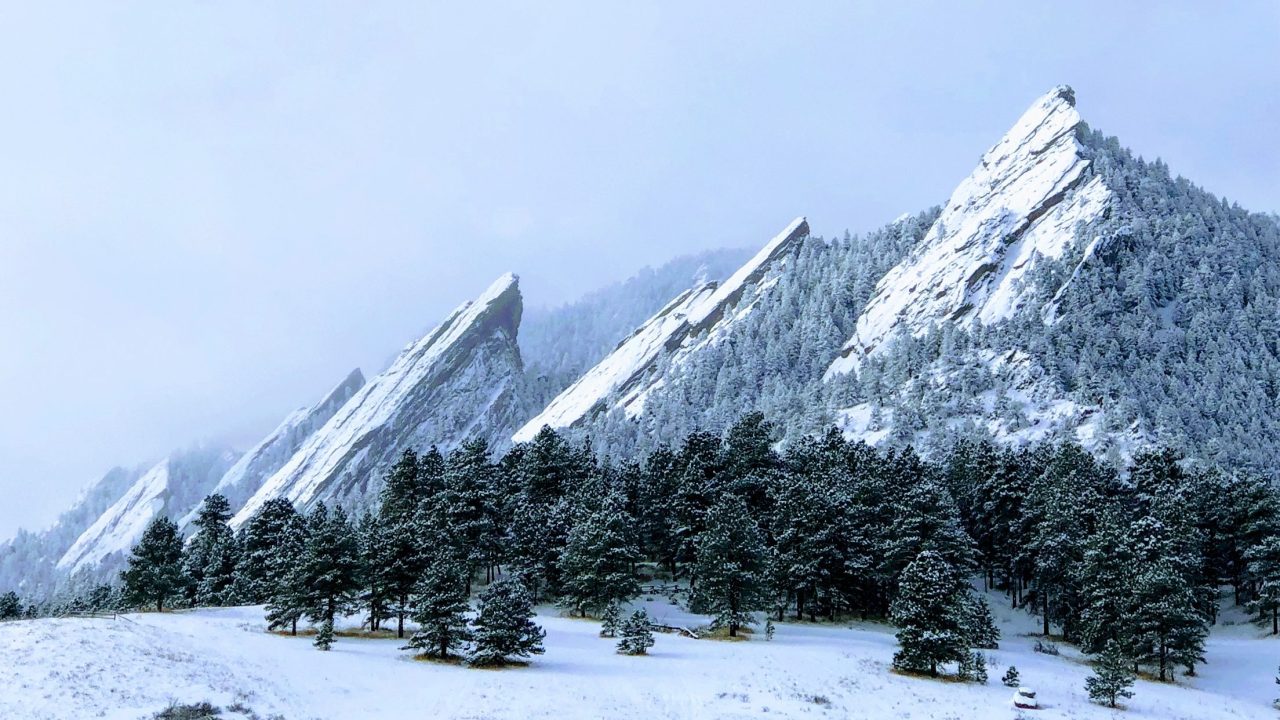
(134, 666)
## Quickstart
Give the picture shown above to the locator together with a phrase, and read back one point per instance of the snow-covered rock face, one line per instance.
(1021, 204)
(272, 452)
(172, 487)
(455, 383)
(698, 316)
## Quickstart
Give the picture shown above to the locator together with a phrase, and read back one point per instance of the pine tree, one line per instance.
(211, 556)
(10, 606)
(731, 566)
(324, 635)
(276, 542)
(330, 565)
(973, 667)
(930, 612)
(155, 572)
(980, 626)
(503, 628)
(637, 634)
(470, 507)
(1168, 628)
(371, 541)
(611, 620)
(1264, 568)
(1112, 678)
(270, 545)
(598, 558)
(769, 629)
(1010, 678)
(403, 531)
(440, 608)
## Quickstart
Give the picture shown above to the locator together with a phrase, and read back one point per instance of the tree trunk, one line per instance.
(1045, 605)
(799, 604)
(294, 632)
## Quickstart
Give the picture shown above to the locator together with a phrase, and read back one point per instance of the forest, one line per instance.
(1128, 564)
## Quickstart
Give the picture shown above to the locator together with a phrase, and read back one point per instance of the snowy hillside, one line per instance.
(173, 487)
(454, 383)
(129, 668)
(262, 461)
(1021, 204)
(691, 322)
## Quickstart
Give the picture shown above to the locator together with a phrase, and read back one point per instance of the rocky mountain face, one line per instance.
(172, 487)
(1019, 207)
(262, 461)
(457, 382)
(694, 320)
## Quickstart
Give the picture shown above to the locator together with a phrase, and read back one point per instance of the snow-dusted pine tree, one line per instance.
(731, 566)
(155, 572)
(503, 628)
(930, 612)
(637, 634)
(440, 608)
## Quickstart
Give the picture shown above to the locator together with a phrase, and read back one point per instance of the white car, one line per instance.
(1025, 698)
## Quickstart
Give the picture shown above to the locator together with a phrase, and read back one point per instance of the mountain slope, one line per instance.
(693, 320)
(172, 487)
(253, 468)
(457, 382)
(1018, 207)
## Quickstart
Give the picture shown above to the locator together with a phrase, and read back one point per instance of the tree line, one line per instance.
(1125, 564)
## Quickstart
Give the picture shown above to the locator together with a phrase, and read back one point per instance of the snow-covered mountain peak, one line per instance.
(694, 318)
(1021, 203)
(454, 383)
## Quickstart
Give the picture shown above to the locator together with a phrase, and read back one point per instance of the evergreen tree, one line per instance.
(930, 613)
(270, 547)
(731, 566)
(278, 537)
(1010, 677)
(611, 620)
(973, 667)
(330, 566)
(1264, 568)
(503, 628)
(324, 635)
(1112, 678)
(637, 634)
(596, 568)
(371, 541)
(155, 572)
(470, 508)
(10, 606)
(395, 563)
(980, 626)
(440, 608)
(210, 562)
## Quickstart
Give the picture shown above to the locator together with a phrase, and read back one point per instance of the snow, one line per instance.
(692, 320)
(1022, 202)
(340, 442)
(121, 526)
(132, 667)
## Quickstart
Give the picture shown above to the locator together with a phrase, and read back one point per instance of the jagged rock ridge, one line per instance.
(1021, 204)
(457, 382)
(626, 376)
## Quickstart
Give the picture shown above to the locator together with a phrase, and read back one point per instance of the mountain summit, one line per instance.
(1019, 206)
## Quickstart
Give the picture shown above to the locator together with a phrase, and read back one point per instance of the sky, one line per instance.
(211, 212)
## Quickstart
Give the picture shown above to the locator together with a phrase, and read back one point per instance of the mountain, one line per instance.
(172, 487)
(27, 560)
(1066, 290)
(1020, 206)
(246, 477)
(695, 319)
(459, 381)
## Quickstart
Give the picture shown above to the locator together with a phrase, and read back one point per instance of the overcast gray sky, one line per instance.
(210, 212)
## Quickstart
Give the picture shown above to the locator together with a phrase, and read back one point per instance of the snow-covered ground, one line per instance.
(131, 667)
